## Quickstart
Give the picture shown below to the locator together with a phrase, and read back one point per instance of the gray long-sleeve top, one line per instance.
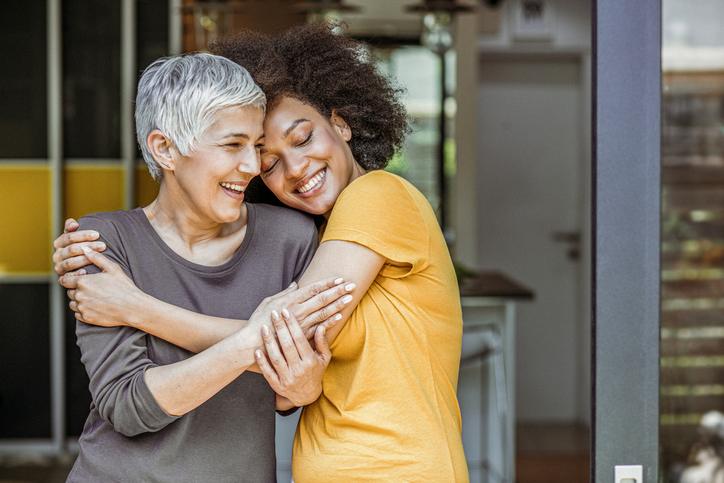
(128, 436)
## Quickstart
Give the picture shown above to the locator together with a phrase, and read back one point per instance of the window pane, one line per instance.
(692, 278)
(91, 78)
(25, 360)
(23, 104)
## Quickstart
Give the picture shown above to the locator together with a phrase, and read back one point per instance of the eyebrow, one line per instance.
(294, 124)
(237, 135)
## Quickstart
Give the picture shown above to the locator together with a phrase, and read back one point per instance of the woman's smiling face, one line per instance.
(305, 160)
(210, 182)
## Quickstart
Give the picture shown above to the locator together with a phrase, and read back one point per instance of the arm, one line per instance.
(133, 393)
(112, 299)
(355, 263)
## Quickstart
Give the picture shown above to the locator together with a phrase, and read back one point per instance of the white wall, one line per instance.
(567, 398)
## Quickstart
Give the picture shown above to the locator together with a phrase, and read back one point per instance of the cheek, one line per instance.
(275, 185)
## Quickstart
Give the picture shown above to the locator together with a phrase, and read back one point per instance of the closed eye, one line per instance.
(306, 140)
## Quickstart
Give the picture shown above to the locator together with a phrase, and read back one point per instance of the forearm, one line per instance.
(181, 387)
(194, 332)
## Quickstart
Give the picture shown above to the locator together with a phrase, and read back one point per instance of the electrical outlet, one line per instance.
(628, 474)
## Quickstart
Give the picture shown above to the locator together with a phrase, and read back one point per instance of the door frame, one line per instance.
(626, 135)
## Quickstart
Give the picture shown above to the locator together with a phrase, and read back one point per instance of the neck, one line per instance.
(357, 172)
(181, 227)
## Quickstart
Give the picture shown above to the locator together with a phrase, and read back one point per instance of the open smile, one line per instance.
(313, 184)
(234, 190)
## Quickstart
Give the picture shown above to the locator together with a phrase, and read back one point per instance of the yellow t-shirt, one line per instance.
(388, 409)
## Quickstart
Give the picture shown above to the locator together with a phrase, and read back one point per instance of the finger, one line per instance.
(332, 321)
(322, 306)
(300, 340)
(69, 281)
(272, 349)
(266, 369)
(70, 225)
(286, 342)
(291, 288)
(67, 239)
(73, 305)
(71, 294)
(322, 345)
(71, 264)
(99, 260)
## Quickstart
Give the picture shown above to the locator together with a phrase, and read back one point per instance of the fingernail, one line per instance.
(265, 332)
(292, 284)
(338, 281)
(82, 271)
(257, 354)
(95, 234)
(349, 287)
(346, 299)
(337, 317)
(286, 313)
(99, 246)
(86, 249)
(275, 315)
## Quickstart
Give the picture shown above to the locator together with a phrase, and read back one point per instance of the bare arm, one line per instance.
(111, 299)
(355, 263)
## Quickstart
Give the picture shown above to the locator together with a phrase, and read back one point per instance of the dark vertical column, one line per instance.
(626, 206)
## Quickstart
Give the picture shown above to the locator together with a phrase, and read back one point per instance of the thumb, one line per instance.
(287, 290)
(321, 344)
(98, 259)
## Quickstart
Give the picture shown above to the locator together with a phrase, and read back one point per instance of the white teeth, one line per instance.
(312, 182)
(233, 187)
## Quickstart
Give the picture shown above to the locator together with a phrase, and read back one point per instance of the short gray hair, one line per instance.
(180, 96)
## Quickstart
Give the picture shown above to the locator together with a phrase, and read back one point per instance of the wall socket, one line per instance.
(628, 474)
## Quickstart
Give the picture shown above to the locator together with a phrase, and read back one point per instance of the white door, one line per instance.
(529, 163)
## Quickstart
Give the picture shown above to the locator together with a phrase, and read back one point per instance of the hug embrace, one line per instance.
(278, 268)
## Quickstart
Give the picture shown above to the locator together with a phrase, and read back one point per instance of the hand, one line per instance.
(107, 299)
(318, 303)
(68, 248)
(295, 371)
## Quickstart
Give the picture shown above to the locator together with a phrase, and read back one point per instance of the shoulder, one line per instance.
(111, 223)
(282, 222)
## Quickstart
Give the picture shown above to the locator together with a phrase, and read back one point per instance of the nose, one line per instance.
(250, 162)
(295, 166)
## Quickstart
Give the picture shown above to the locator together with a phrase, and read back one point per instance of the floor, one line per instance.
(546, 453)
(552, 453)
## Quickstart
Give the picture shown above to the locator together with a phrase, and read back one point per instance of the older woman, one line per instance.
(388, 409)
(160, 413)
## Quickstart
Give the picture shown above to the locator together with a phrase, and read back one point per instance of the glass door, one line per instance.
(692, 244)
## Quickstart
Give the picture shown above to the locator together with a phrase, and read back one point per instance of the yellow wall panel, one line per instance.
(92, 188)
(146, 187)
(25, 219)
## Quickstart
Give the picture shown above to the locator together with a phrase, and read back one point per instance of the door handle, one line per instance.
(573, 239)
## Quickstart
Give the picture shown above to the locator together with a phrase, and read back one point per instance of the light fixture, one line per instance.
(212, 20)
(437, 22)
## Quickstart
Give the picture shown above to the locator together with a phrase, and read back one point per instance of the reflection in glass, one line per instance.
(692, 246)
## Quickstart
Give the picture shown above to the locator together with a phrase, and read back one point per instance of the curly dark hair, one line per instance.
(330, 73)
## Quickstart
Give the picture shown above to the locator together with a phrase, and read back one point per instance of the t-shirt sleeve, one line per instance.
(378, 211)
(116, 358)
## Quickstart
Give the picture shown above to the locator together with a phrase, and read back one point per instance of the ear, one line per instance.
(341, 126)
(161, 149)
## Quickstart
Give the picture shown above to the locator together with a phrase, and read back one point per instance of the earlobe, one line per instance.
(341, 125)
(160, 147)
